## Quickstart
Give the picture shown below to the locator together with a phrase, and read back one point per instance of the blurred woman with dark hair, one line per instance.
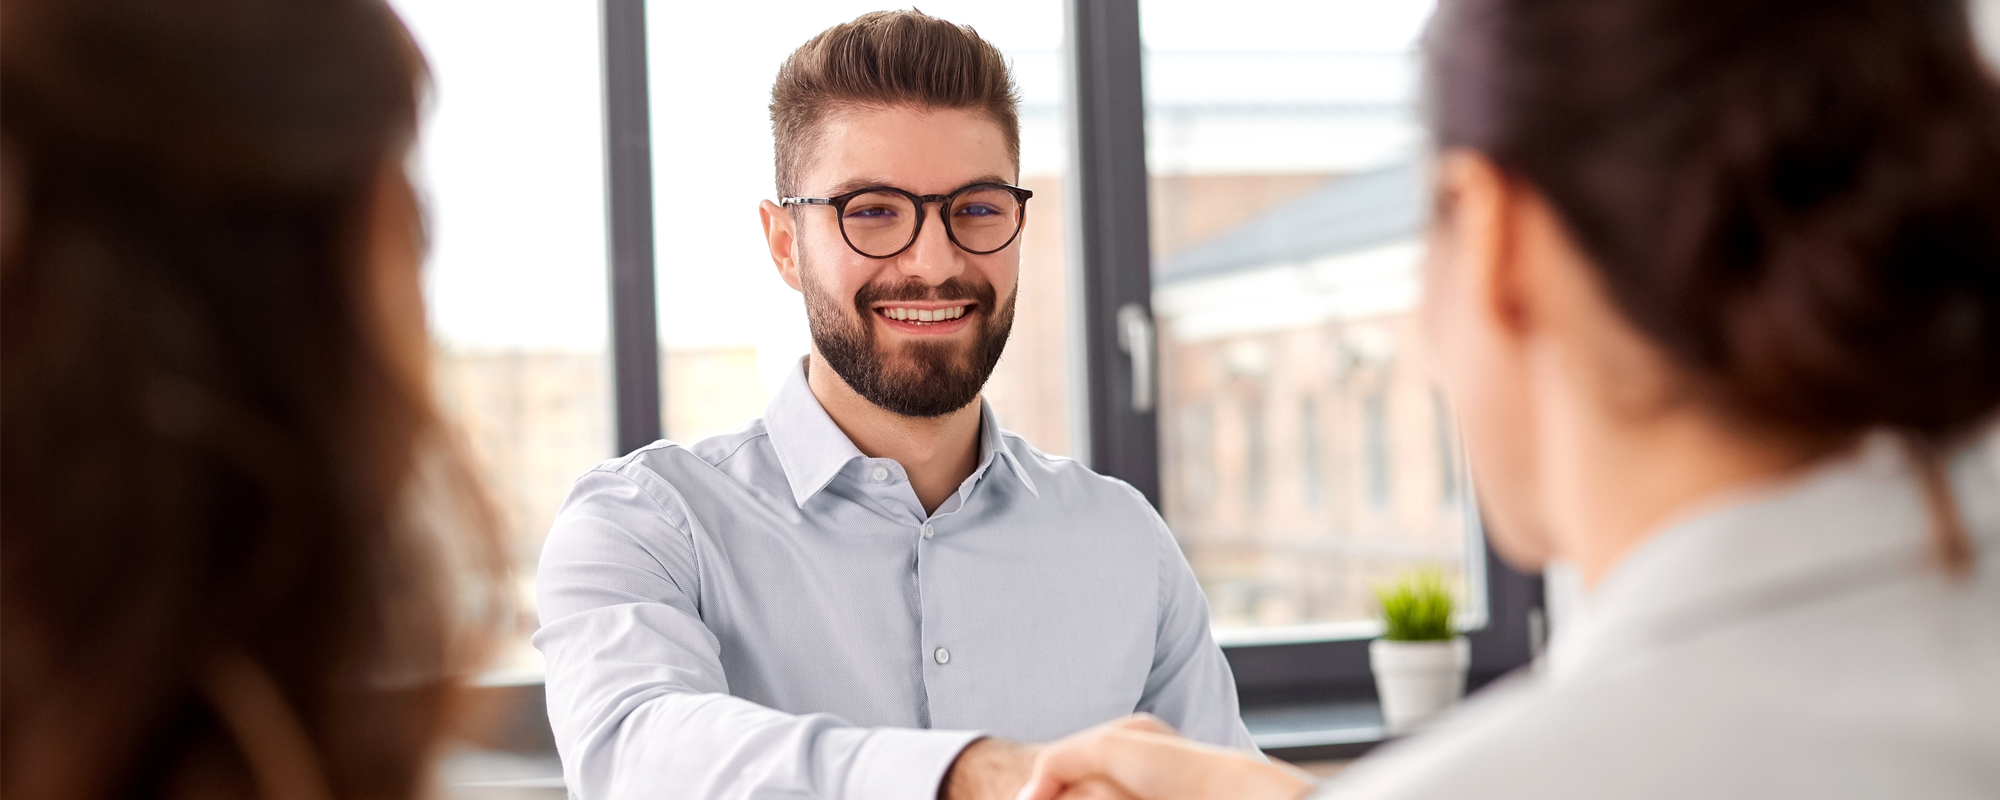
(242, 557)
(1716, 287)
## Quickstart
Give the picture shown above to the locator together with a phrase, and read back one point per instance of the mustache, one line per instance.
(915, 291)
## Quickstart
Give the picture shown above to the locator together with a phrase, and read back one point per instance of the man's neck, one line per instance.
(938, 453)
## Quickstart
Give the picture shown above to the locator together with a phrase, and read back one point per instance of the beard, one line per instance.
(913, 379)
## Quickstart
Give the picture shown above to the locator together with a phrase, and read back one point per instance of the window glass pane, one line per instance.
(1986, 24)
(730, 329)
(1306, 457)
(511, 166)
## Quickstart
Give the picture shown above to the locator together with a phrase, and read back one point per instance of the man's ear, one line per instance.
(780, 236)
(1479, 211)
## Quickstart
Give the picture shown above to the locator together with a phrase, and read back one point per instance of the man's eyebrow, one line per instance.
(989, 179)
(856, 184)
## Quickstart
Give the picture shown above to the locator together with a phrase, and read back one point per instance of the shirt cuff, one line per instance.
(905, 763)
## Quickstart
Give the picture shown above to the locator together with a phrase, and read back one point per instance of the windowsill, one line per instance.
(499, 775)
(1295, 634)
(1467, 621)
(502, 678)
(1315, 731)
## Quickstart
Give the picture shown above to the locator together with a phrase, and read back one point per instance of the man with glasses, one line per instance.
(873, 591)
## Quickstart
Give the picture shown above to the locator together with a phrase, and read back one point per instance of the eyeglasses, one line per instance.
(883, 221)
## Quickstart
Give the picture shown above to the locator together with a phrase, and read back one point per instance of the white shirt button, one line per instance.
(880, 473)
(928, 533)
(943, 656)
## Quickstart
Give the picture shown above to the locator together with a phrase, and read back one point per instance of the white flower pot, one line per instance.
(1416, 680)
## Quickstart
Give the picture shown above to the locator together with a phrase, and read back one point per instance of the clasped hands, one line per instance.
(1135, 758)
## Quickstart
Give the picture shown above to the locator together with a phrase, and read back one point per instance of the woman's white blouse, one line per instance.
(1801, 642)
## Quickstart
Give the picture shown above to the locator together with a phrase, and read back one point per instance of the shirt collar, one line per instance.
(994, 447)
(812, 450)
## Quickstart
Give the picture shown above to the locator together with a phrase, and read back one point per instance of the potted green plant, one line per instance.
(1420, 661)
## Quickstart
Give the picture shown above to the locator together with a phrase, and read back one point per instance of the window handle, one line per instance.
(1135, 337)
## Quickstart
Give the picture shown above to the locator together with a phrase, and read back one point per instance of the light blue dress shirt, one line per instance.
(770, 613)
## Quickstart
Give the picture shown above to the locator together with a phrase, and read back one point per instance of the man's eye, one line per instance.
(871, 212)
(978, 211)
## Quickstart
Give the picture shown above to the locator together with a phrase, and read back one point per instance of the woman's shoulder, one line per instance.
(1888, 693)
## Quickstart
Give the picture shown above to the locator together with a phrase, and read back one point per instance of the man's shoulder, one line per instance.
(1065, 478)
(722, 447)
(670, 459)
(667, 463)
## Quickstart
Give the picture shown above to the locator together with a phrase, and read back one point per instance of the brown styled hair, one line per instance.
(242, 556)
(1797, 200)
(886, 59)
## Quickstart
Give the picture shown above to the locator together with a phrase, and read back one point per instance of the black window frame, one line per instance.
(1110, 309)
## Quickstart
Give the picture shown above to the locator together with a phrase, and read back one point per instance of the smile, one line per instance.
(911, 315)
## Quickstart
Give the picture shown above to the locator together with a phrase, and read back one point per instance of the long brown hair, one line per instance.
(241, 555)
(1798, 201)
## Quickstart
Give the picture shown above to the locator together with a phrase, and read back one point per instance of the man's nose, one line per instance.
(933, 259)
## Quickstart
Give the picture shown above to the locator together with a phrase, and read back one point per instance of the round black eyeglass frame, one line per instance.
(920, 201)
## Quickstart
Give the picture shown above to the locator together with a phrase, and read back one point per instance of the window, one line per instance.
(730, 330)
(1375, 449)
(511, 167)
(1310, 480)
(1195, 459)
(1254, 455)
(1286, 187)
(1446, 436)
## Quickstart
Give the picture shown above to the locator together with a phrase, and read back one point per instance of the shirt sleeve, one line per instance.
(1190, 686)
(636, 692)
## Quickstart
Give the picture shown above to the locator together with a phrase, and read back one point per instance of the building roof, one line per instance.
(1351, 213)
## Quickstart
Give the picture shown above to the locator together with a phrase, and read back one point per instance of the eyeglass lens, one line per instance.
(982, 218)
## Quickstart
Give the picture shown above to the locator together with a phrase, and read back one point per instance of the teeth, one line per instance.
(923, 315)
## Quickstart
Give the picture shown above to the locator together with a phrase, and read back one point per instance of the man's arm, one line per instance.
(1190, 686)
(636, 691)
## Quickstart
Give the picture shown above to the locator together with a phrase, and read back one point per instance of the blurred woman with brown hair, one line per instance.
(242, 557)
(1716, 289)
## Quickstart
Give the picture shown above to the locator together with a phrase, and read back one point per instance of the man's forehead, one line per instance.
(928, 151)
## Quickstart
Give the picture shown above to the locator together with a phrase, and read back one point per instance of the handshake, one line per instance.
(1135, 758)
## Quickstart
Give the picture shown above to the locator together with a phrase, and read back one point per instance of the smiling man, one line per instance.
(873, 591)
